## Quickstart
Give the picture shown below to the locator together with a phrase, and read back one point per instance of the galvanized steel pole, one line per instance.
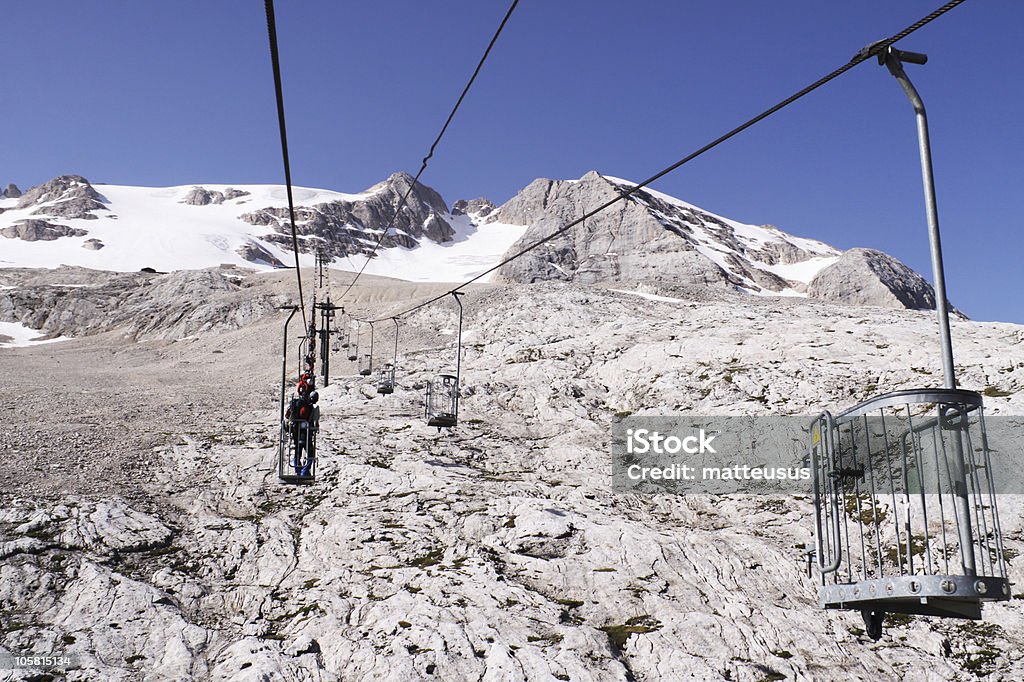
(893, 60)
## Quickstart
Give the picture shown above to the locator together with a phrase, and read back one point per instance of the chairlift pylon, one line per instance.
(441, 407)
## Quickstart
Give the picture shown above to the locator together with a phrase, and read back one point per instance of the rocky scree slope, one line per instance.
(74, 302)
(497, 551)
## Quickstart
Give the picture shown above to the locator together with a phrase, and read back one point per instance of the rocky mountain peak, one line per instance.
(653, 238)
(349, 227)
(421, 196)
(66, 196)
(869, 277)
(648, 237)
(12, 192)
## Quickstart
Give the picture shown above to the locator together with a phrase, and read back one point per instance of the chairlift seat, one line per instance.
(917, 531)
(287, 470)
(386, 380)
(442, 402)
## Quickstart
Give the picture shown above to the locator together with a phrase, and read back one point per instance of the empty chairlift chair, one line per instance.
(344, 335)
(904, 492)
(441, 407)
(353, 345)
(386, 376)
(442, 403)
(365, 366)
(366, 363)
(386, 379)
(905, 507)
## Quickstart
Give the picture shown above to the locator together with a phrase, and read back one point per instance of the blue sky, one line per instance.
(170, 93)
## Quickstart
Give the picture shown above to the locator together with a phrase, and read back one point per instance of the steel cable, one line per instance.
(864, 54)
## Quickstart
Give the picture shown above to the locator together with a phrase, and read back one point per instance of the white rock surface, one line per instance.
(496, 551)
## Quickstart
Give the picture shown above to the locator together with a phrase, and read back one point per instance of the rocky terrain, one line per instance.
(344, 228)
(143, 528)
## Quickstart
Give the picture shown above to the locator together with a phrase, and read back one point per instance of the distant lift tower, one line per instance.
(904, 496)
(327, 312)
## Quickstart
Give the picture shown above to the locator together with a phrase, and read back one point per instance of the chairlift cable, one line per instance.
(433, 146)
(278, 92)
(864, 54)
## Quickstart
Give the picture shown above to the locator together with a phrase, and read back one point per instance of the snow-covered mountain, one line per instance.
(68, 221)
(650, 238)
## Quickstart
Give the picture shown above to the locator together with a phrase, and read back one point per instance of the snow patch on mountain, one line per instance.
(762, 247)
(476, 248)
(15, 334)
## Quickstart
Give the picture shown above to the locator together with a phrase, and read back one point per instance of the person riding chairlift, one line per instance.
(305, 417)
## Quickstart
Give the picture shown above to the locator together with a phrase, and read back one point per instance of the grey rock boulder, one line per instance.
(254, 253)
(31, 230)
(479, 208)
(93, 244)
(200, 196)
(870, 277)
